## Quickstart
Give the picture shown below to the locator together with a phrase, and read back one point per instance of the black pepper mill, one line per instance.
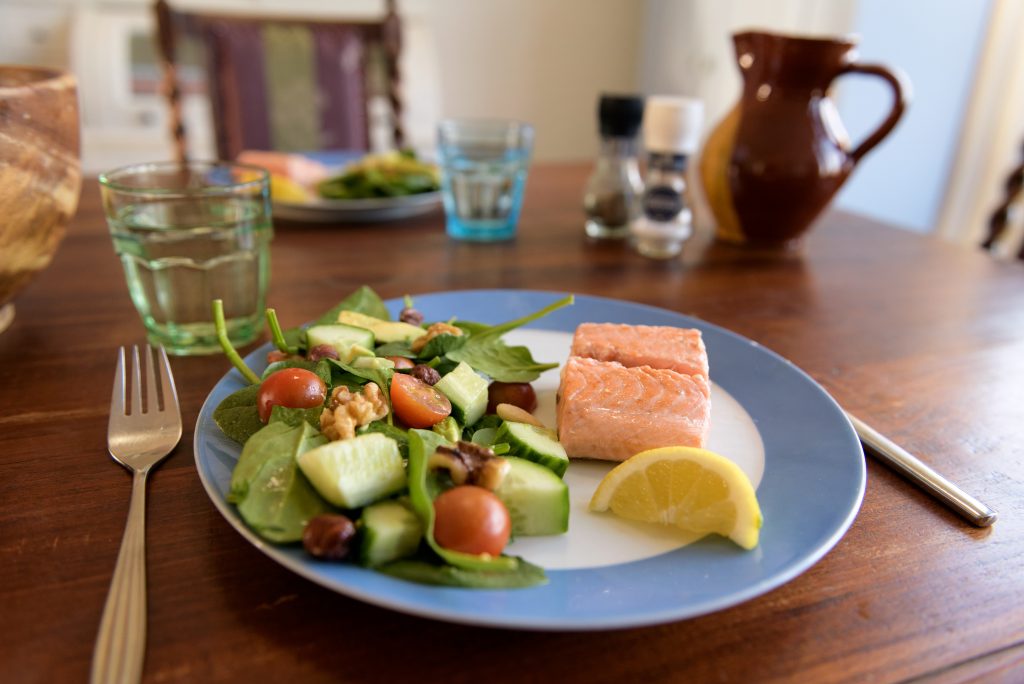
(612, 197)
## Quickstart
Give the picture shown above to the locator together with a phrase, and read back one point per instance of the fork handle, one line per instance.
(121, 644)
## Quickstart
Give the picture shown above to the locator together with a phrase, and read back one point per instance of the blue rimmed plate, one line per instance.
(783, 429)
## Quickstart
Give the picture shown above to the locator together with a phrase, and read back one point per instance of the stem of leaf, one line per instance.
(277, 334)
(225, 344)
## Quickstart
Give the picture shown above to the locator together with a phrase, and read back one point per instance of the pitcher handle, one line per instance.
(901, 98)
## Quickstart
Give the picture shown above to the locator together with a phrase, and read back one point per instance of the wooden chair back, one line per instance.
(282, 83)
(999, 224)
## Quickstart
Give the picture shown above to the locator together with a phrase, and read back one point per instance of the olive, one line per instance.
(329, 536)
(519, 394)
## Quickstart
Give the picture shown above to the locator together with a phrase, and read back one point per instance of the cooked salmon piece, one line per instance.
(657, 346)
(608, 411)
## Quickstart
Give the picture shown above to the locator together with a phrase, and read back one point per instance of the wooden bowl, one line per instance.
(40, 173)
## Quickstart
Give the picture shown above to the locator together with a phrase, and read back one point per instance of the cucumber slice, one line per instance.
(467, 391)
(390, 531)
(351, 473)
(536, 499)
(533, 443)
(343, 338)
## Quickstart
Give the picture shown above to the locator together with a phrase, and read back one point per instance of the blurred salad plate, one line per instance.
(367, 189)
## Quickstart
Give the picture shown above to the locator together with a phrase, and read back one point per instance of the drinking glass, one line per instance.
(188, 234)
(483, 176)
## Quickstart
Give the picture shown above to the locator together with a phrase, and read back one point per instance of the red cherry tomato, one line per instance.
(401, 362)
(471, 519)
(291, 387)
(416, 403)
(519, 394)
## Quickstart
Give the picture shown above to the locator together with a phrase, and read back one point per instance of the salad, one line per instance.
(404, 446)
(390, 174)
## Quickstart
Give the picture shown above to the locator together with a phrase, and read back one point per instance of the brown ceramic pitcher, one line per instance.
(776, 160)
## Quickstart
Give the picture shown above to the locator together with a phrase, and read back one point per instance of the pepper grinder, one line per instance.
(671, 134)
(612, 197)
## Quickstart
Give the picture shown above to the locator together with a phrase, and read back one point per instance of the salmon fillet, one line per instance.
(657, 346)
(608, 411)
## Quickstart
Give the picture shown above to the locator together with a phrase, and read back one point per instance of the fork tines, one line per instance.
(158, 395)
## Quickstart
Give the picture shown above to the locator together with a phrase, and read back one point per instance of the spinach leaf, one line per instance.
(364, 300)
(296, 416)
(272, 495)
(422, 490)
(494, 358)
(442, 345)
(237, 416)
(487, 353)
(395, 349)
(523, 575)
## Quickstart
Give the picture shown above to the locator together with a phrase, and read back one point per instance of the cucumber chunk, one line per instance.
(351, 473)
(537, 500)
(344, 339)
(390, 531)
(533, 443)
(467, 391)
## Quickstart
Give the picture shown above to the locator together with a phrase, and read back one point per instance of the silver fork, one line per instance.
(137, 439)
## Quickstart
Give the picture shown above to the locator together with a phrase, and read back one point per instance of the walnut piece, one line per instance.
(347, 411)
(433, 331)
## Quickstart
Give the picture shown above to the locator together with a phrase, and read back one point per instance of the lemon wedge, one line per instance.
(284, 189)
(694, 489)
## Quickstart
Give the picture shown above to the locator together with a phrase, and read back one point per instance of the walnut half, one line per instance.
(347, 411)
(433, 331)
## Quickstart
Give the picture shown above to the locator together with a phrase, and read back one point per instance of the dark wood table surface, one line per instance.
(919, 338)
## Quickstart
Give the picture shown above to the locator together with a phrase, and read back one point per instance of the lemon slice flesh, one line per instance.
(694, 489)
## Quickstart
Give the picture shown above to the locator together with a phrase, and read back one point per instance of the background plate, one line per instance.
(811, 490)
(375, 210)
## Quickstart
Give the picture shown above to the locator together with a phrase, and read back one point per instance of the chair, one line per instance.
(287, 84)
(999, 224)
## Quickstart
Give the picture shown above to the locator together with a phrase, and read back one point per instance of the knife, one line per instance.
(922, 475)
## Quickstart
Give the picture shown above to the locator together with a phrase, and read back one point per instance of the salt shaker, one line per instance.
(671, 134)
(612, 197)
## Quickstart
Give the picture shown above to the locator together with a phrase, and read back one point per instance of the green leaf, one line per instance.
(395, 349)
(494, 358)
(442, 345)
(487, 353)
(237, 416)
(296, 416)
(523, 575)
(272, 495)
(364, 300)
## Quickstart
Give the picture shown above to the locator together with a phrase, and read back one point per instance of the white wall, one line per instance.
(541, 61)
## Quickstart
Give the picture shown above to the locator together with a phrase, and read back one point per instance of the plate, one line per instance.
(372, 210)
(786, 432)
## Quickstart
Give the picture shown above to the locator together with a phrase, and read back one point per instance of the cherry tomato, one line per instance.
(416, 403)
(519, 394)
(471, 519)
(291, 387)
(401, 362)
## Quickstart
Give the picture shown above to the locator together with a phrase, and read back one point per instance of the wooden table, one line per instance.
(921, 339)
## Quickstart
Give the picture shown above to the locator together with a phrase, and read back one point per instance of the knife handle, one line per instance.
(922, 475)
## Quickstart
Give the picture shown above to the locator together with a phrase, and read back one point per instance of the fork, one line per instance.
(138, 439)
